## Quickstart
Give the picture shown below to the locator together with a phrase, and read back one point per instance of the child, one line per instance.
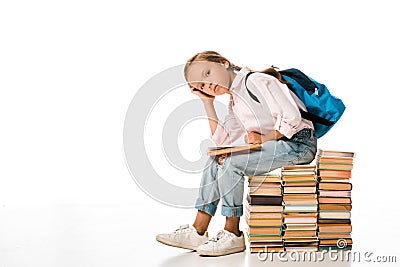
(274, 121)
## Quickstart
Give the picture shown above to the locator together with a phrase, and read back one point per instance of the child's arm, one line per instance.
(211, 114)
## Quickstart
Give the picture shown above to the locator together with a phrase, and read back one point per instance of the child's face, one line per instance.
(209, 77)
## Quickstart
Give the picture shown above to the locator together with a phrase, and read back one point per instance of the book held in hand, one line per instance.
(218, 150)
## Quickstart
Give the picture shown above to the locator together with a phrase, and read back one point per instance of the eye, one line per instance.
(202, 86)
(208, 73)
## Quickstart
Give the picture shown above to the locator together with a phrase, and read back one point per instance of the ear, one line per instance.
(226, 64)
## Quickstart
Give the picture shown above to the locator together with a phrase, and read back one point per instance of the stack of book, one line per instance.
(263, 213)
(300, 208)
(334, 199)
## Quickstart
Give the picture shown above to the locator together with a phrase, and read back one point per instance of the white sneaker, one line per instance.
(223, 243)
(185, 236)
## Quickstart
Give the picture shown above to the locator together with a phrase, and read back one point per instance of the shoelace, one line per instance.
(182, 228)
(220, 234)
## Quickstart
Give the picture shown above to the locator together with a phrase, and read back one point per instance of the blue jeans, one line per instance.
(226, 182)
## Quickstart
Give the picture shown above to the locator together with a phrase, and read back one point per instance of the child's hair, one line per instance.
(213, 56)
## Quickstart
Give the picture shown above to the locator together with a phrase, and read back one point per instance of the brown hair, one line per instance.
(213, 56)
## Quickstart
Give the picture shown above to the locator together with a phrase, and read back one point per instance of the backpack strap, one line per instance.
(314, 118)
(304, 114)
(250, 93)
(301, 78)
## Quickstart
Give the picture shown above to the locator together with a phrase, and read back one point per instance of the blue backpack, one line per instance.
(323, 109)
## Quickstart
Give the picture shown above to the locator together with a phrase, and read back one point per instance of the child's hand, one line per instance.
(253, 138)
(221, 159)
(202, 95)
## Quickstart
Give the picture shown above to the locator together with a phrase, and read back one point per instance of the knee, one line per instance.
(307, 156)
(234, 162)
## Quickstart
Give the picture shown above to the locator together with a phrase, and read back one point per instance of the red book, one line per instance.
(335, 173)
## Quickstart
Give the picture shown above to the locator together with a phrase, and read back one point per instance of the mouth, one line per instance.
(215, 88)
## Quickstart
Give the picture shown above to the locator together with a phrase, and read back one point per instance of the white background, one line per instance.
(69, 69)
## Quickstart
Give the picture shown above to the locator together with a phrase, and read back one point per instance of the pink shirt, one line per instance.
(278, 109)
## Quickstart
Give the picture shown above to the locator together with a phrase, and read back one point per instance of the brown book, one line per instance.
(299, 202)
(297, 173)
(300, 233)
(263, 222)
(300, 183)
(264, 238)
(298, 168)
(338, 207)
(263, 208)
(265, 191)
(335, 186)
(299, 196)
(334, 174)
(299, 189)
(214, 151)
(264, 230)
(264, 178)
(334, 166)
(263, 215)
(339, 200)
(264, 200)
(334, 242)
(334, 214)
(334, 228)
(265, 184)
(334, 235)
(334, 160)
(298, 178)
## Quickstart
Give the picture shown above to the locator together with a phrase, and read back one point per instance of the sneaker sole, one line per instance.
(173, 244)
(227, 252)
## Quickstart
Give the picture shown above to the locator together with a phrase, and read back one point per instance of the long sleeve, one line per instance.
(229, 130)
(284, 110)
